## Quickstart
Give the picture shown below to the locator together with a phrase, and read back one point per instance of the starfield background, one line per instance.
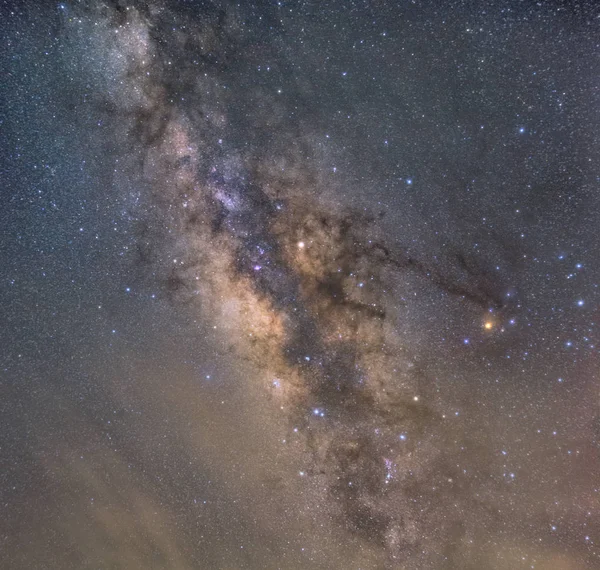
(300, 285)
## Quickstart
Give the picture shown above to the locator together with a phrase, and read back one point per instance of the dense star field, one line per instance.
(300, 285)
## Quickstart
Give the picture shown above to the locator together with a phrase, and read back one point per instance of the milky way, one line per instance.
(339, 290)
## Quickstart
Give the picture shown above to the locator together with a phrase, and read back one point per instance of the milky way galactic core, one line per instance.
(300, 285)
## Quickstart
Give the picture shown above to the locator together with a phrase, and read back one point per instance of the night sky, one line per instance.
(300, 285)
